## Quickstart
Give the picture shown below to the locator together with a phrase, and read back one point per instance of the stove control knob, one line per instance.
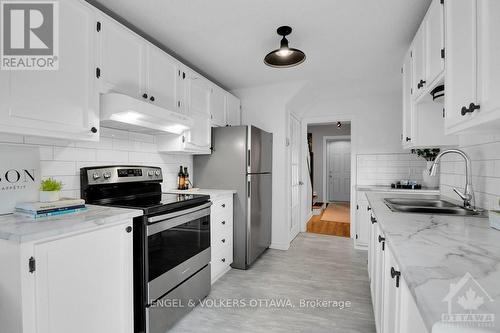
(151, 173)
(106, 175)
(157, 173)
(96, 176)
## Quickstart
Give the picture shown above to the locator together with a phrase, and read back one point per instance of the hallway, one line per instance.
(316, 267)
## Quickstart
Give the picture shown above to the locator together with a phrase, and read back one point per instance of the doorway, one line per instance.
(330, 154)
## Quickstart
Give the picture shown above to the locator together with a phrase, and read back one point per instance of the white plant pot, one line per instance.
(49, 196)
(428, 180)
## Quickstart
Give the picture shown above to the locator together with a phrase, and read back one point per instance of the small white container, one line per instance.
(49, 196)
(495, 219)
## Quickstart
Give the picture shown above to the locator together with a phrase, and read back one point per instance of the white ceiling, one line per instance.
(347, 43)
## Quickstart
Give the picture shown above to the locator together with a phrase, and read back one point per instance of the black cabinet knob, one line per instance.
(128, 229)
(421, 84)
(472, 107)
(408, 139)
(381, 239)
(223, 222)
(144, 95)
(395, 274)
(152, 98)
(368, 208)
(223, 205)
(93, 130)
(223, 240)
(223, 259)
(374, 220)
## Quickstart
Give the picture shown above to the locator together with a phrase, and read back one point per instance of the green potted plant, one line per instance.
(429, 154)
(49, 190)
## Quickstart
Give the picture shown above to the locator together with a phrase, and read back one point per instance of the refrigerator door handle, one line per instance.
(249, 190)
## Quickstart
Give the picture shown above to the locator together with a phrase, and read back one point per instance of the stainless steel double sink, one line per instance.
(429, 206)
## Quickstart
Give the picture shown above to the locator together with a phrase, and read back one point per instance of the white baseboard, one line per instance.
(280, 246)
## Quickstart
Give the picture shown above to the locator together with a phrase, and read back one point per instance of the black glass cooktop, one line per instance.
(160, 203)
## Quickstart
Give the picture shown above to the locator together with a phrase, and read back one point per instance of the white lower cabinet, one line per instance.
(221, 235)
(77, 283)
(394, 308)
(362, 221)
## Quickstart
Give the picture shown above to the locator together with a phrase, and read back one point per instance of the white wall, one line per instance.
(62, 160)
(318, 133)
(484, 151)
(266, 108)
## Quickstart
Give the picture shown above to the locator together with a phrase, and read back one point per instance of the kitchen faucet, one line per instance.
(468, 195)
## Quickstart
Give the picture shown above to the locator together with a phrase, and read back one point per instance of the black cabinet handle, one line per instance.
(395, 274)
(223, 205)
(368, 208)
(421, 84)
(144, 95)
(93, 130)
(152, 98)
(223, 259)
(382, 240)
(223, 222)
(472, 107)
(223, 240)
(128, 229)
(374, 220)
(408, 139)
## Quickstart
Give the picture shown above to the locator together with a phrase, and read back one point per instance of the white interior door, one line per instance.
(338, 170)
(295, 182)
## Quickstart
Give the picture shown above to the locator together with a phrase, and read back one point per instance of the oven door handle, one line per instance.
(179, 213)
(169, 222)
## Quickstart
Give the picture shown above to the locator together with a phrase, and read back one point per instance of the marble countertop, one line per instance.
(19, 228)
(435, 251)
(213, 193)
(387, 188)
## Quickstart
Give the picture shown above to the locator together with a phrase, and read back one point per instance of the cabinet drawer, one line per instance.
(223, 205)
(221, 223)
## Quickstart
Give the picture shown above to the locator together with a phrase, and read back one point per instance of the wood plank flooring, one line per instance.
(318, 225)
(316, 267)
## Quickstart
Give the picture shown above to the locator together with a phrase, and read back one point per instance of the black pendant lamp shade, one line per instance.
(284, 56)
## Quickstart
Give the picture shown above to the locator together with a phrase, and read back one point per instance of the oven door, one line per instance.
(178, 246)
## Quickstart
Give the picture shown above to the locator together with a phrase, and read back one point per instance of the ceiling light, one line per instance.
(339, 124)
(284, 56)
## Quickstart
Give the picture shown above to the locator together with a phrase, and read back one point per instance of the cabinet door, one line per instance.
(218, 106)
(407, 100)
(162, 77)
(434, 37)
(410, 320)
(60, 103)
(379, 277)
(488, 52)
(199, 136)
(233, 110)
(198, 94)
(392, 286)
(83, 283)
(362, 222)
(460, 77)
(418, 58)
(122, 56)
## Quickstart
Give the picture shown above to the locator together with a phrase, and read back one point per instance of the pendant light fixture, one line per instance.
(284, 56)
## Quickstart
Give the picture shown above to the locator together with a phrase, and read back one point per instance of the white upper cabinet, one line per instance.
(198, 93)
(460, 77)
(59, 103)
(472, 65)
(407, 100)
(434, 42)
(162, 79)
(218, 106)
(122, 59)
(418, 59)
(233, 110)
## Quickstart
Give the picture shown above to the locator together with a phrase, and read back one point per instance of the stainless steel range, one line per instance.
(171, 241)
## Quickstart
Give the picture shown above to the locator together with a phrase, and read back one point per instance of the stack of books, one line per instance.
(46, 209)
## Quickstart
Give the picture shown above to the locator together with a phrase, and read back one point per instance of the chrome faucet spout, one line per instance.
(468, 195)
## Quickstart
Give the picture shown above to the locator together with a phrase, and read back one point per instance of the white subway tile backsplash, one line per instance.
(62, 159)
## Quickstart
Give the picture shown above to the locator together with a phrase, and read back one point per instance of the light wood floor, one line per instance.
(318, 225)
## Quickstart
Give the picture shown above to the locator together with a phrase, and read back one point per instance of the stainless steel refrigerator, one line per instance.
(241, 160)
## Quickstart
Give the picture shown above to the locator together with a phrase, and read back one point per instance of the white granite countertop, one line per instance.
(435, 251)
(19, 228)
(213, 193)
(387, 188)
